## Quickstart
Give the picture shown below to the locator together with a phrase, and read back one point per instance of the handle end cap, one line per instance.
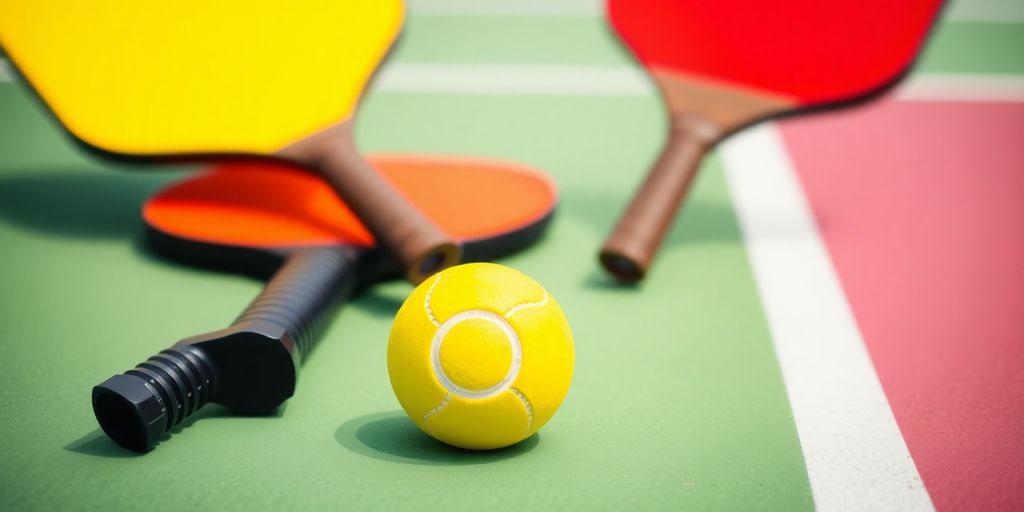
(433, 261)
(130, 412)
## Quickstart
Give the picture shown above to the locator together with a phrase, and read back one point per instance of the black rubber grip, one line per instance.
(302, 293)
(149, 400)
(250, 367)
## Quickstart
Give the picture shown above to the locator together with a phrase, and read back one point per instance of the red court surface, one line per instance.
(921, 206)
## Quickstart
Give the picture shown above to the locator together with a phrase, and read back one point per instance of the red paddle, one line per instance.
(724, 64)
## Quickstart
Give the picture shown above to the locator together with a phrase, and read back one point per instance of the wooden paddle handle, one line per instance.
(250, 367)
(630, 249)
(399, 227)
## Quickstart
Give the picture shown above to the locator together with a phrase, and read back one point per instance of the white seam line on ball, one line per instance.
(435, 410)
(524, 305)
(426, 302)
(510, 334)
(526, 403)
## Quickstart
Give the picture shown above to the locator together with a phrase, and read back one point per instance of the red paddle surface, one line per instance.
(806, 51)
(922, 209)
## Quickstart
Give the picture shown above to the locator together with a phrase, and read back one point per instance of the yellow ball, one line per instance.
(480, 356)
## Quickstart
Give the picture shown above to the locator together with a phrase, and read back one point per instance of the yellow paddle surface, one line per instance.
(150, 77)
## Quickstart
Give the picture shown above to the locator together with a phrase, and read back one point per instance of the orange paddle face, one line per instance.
(258, 207)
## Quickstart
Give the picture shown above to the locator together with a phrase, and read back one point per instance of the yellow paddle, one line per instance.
(199, 79)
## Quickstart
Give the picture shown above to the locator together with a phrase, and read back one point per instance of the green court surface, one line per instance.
(677, 402)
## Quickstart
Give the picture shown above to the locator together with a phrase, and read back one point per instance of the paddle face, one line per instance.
(257, 208)
(722, 65)
(192, 77)
(796, 52)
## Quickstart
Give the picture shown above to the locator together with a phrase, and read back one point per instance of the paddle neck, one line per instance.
(701, 114)
(398, 226)
(630, 249)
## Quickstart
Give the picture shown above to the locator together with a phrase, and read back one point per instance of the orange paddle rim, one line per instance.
(261, 205)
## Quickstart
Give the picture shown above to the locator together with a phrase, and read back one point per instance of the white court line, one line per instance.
(533, 8)
(597, 80)
(986, 11)
(527, 79)
(616, 80)
(855, 454)
(619, 80)
(961, 87)
(6, 73)
(983, 11)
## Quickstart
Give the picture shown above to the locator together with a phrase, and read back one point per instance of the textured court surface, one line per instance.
(837, 324)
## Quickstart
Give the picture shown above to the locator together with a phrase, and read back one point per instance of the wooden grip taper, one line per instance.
(630, 249)
(398, 226)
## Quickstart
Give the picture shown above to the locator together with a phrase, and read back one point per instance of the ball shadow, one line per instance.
(393, 437)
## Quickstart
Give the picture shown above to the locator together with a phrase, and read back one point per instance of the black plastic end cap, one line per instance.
(130, 412)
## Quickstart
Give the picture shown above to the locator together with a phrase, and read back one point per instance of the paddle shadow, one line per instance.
(97, 444)
(698, 222)
(393, 437)
(83, 204)
(598, 279)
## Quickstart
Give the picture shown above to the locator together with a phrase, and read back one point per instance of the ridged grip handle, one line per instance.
(146, 402)
(250, 366)
(302, 293)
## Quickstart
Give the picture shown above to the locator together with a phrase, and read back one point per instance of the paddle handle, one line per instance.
(629, 250)
(419, 246)
(302, 293)
(417, 243)
(250, 367)
(140, 406)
